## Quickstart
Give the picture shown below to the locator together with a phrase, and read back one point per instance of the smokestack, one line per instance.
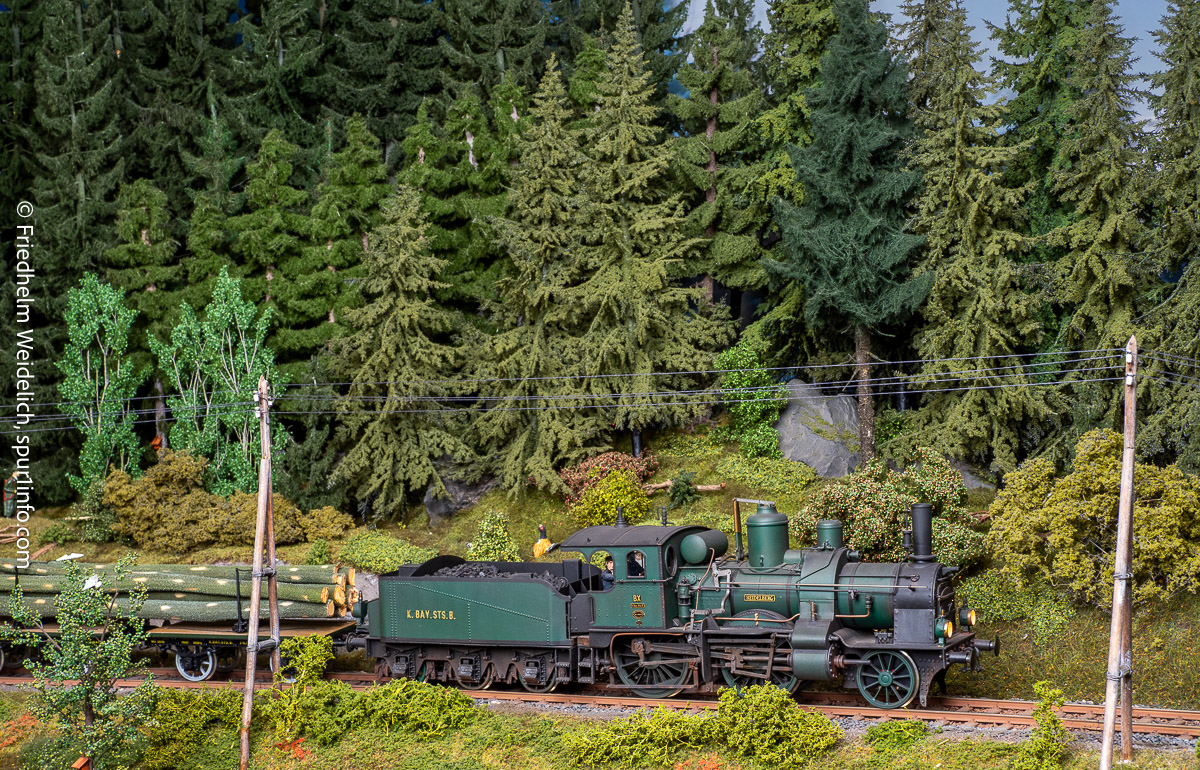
(922, 532)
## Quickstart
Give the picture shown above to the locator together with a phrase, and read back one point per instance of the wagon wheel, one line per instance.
(3, 657)
(198, 667)
(550, 685)
(888, 679)
(489, 676)
(651, 677)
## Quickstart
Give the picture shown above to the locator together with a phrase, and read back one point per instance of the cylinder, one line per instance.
(829, 534)
(695, 547)
(922, 532)
(767, 532)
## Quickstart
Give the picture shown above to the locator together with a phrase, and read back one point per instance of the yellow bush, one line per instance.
(1062, 530)
(619, 489)
(326, 523)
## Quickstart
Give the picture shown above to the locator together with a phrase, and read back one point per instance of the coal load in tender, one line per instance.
(482, 571)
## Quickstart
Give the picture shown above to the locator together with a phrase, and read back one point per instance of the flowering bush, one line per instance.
(874, 503)
(619, 489)
(587, 474)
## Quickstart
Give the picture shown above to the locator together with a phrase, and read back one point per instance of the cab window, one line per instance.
(635, 564)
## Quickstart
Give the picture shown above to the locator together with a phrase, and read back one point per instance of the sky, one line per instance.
(1140, 18)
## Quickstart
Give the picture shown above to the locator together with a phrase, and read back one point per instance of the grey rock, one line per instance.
(968, 474)
(819, 431)
(461, 495)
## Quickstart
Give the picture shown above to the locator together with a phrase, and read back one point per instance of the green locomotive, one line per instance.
(671, 612)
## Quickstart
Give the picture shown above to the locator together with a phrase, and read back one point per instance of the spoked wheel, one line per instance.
(3, 658)
(287, 672)
(550, 685)
(198, 666)
(649, 672)
(781, 675)
(489, 676)
(889, 679)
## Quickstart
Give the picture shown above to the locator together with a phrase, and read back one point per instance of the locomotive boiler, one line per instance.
(675, 612)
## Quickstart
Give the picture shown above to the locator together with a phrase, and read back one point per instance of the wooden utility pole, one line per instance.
(1120, 639)
(264, 529)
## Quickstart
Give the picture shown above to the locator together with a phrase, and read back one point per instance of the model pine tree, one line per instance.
(1176, 239)
(846, 245)
(538, 352)
(209, 240)
(486, 41)
(917, 39)
(394, 359)
(800, 32)
(658, 27)
(977, 313)
(1098, 176)
(277, 63)
(1037, 67)
(317, 285)
(271, 233)
(716, 156)
(641, 323)
(382, 59)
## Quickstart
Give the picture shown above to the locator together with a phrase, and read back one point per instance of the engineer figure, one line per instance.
(633, 565)
(606, 577)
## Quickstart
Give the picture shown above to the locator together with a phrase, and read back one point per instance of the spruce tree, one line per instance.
(1097, 174)
(800, 33)
(845, 245)
(641, 324)
(317, 284)
(209, 241)
(588, 70)
(658, 27)
(1175, 240)
(977, 314)
(395, 357)
(277, 61)
(538, 353)
(716, 155)
(271, 233)
(1037, 66)
(917, 40)
(487, 41)
(382, 60)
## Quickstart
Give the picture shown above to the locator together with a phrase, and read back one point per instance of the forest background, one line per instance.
(468, 237)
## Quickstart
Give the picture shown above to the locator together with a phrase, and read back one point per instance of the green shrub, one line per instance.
(376, 552)
(874, 504)
(995, 595)
(1062, 530)
(58, 533)
(98, 519)
(754, 399)
(493, 541)
(783, 478)
(890, 423)
(764, 723)
(168, 509)
(683, 490)
(426, 710)
(320, 711)
(318, 553)
(326, 523)
(653, 738)
(308, 656)
(587, 474)
(690, 446)
(896, 735)
(1045, 747)
(619, 489)
(181, 722)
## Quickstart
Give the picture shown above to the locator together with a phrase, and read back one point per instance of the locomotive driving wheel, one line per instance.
(888, 679)
(751, 661)
(650, 673)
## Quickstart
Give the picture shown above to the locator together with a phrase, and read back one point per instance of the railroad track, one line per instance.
(960, 712)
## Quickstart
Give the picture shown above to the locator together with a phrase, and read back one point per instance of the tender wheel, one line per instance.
(888, 679)
(550, 685)
(648, 671)
(197, 666)
(489, 676)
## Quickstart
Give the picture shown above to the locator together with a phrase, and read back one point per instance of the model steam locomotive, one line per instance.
(675, 614)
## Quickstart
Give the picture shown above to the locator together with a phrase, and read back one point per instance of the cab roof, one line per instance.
(625, 537)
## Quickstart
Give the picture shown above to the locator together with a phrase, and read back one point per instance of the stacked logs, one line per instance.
(187, 592)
